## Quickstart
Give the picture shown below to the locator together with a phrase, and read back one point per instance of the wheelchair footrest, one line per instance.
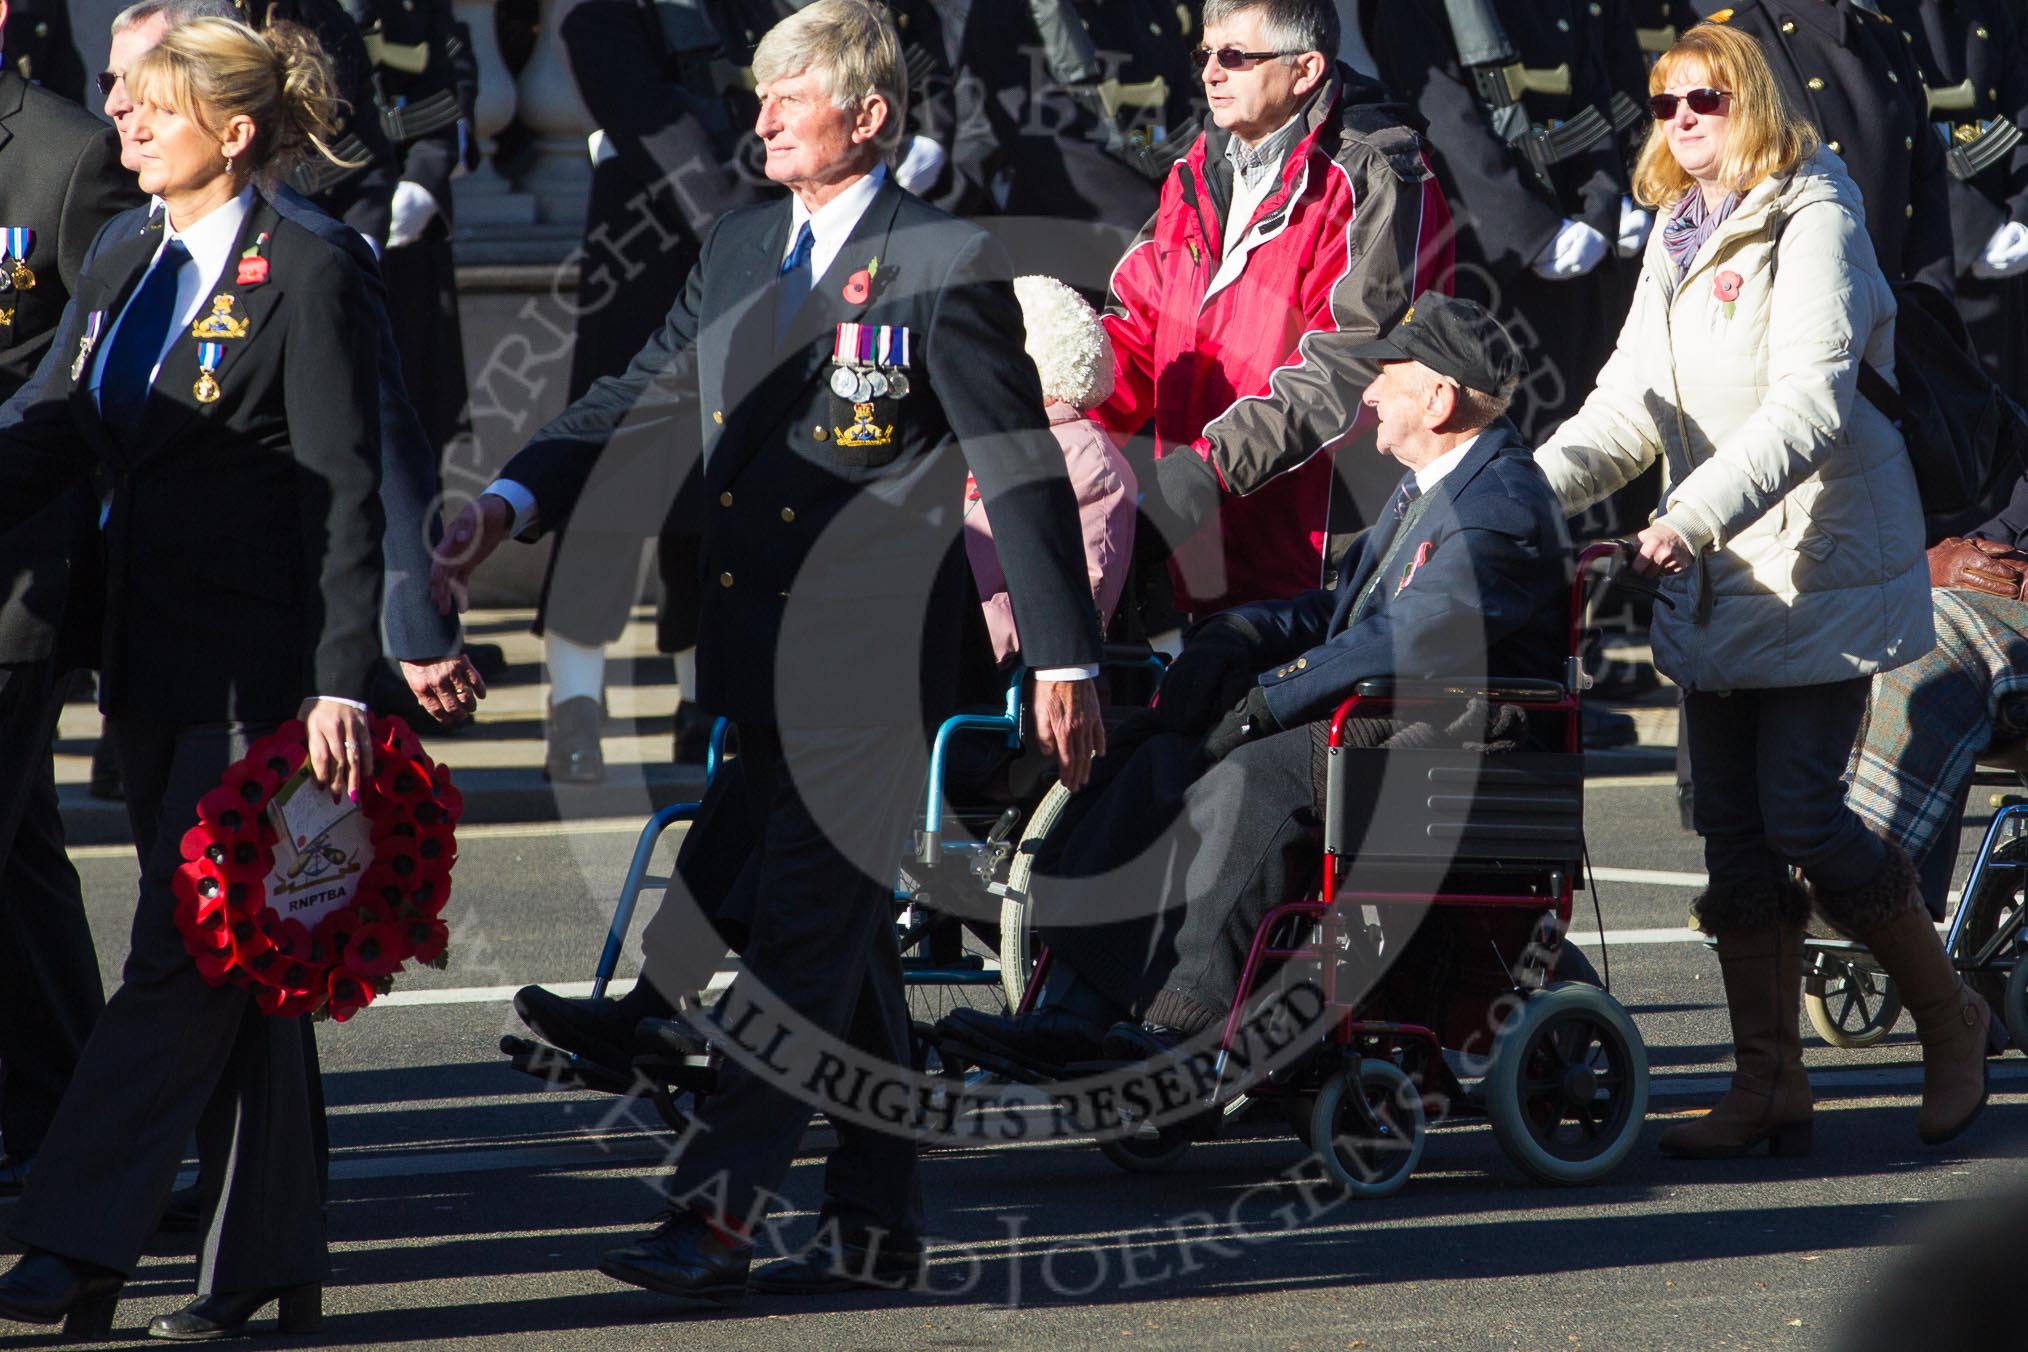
(565, 1070)
(697, 1074)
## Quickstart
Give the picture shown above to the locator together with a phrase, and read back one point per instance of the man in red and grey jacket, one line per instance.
(1298, 227)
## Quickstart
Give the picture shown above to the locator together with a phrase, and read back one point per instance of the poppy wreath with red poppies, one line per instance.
(336, 968)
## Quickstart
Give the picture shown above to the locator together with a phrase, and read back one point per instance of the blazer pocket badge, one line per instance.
(221, 323)
(86, 341)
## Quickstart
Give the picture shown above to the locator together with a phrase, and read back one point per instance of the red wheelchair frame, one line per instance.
(1566, 1085)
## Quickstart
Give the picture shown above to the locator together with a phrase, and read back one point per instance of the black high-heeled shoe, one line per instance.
(224, 1314)
(47, 1288)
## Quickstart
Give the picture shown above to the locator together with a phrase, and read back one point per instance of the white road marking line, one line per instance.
(1661, 877)
(590, 826)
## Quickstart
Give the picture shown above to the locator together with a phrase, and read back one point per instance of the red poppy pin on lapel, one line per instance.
(1726, 289)
(253, 268)
(859, 286)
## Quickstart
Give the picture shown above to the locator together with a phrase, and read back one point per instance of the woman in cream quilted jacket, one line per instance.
(1790, 538)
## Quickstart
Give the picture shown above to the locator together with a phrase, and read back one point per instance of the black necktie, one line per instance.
(137, 348)
(795, 281)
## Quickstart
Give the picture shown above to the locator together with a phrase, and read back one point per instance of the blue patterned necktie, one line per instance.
(137, 348)
(1404, 497)
(795, 281)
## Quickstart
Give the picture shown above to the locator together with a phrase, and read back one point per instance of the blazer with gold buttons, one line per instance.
(832, 558)
(1854, 74)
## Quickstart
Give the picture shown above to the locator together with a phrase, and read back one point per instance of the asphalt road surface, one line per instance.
(469, 1205)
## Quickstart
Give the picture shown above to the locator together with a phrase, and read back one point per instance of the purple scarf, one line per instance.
(1689, 225)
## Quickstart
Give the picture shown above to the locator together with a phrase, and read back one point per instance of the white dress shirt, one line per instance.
(1432, 474)
(210, 242)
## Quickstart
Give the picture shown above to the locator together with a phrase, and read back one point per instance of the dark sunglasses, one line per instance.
(1703, 102)
(105, 80)
(1232, 58)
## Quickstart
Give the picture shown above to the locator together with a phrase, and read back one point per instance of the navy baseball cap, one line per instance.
(1453, 337)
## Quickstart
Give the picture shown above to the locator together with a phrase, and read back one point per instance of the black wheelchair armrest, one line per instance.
(1506, 689)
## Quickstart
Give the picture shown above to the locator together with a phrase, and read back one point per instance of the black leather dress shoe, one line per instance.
(46, 1288)
(14, 1174)
(184, 1215)
(1044, 1037)
(224, 1314)
(820, 1271)
(595, 1029)
(686, 1259)
(574, 755)
(693, 734)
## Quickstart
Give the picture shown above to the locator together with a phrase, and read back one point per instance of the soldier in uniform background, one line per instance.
(39, 47)
(1853, 71)
(361, 191)
(657, 81)
(424, 82)
(1975, 62)
(60, 182)
(1538, 204)
(1085, 104)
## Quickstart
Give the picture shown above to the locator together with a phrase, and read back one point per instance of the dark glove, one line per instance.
(1210, 675)
(1978, 565)
(1248, 721)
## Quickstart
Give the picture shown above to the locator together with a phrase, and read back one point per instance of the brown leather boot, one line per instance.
(1953, 1022)
(1769, 1099)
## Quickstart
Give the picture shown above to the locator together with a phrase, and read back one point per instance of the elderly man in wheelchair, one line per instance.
(1206, 808)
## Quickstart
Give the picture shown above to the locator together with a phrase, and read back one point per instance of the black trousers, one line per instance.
(50, 993)
(1167, 868)
(172, 1056)
(808, 838)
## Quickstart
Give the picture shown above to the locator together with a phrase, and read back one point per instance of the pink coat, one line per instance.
(1106, 494)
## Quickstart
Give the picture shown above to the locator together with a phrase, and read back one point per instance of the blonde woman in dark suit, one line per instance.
(223, 382)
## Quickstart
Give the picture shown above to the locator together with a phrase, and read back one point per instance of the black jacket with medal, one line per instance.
(60, 177)
(834, 579)
(243, 534)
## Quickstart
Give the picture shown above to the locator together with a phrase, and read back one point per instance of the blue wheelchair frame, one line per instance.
(930, 844)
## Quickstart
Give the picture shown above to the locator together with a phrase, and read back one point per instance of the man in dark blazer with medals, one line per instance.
(838, 361)
(60, 181)
(1852, 71)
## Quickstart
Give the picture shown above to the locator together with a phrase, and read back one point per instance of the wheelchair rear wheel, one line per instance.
(1368, 1127)
(1568, 1086)
(1017, 936)
(1850, 1003)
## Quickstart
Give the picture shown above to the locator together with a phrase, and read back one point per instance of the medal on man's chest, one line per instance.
(15, 242)
(85, 343)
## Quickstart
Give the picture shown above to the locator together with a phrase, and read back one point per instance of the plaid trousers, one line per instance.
(1928, 722)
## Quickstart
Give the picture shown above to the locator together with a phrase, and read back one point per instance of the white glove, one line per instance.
(2006, 253)
(1635, 223)
(412, 209)
(599, 147)
(920, 166)
(1576, 250)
